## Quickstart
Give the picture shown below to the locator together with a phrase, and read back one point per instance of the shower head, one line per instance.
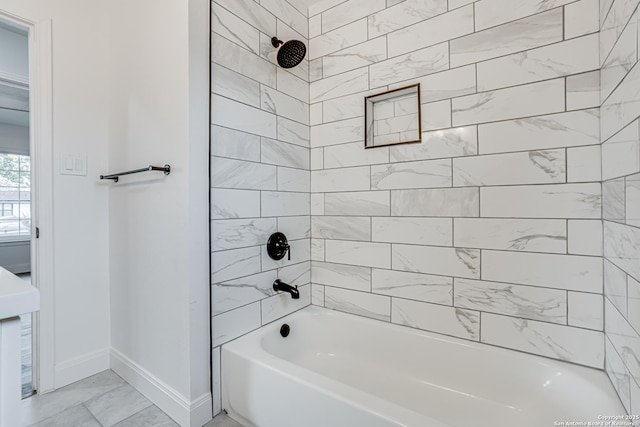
(291, 53)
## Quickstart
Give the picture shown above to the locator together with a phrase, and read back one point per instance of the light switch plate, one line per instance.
(73, 165)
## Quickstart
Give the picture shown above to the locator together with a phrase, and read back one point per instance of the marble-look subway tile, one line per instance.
(528, 33)
(619, 61)
(584, 164)
(569, 129)
(344, 131)
(457, 142)
(231, 114)
(317, 159)
(354, 57)
(341, 228)
(404, 14)
(294, 180)
(585, 237)
(618, 374)
(622, 107)
(317, 295)
(363, 254)
(235, 86)
(622, 247)
(349, 12)
(542, 201)
(526, 302)
(293, 86)
(615, 286)
(624, 338)
(227, 265)
(237, 174)
(436, 318)
(460, 202)
(422, 174)
(282, 304)
(456, 262)
(413, 230)
(345, 107)
(317, 204)
(339, 85)
(234, 144)
(284, 154)
(293, 132)
(279, 203)
(444, 84)
(583, 91)
(614, 24)
(533, 167)
(575, 345)
(235, 29)
(288, 14)
(522, 101)
(342, 276)
(229, 204)
(315, 26)
(409, 66)
(556, 60)
(530, 235)
(414, 286)
(287, 106)
(438, 29)
(621, 153)
(229, 295)
(346, 179)
(295, 227)
(453, 4)
(436, 115)
(371, 203)
(248, 64)
(315, 114)
(570, 272)
(633, 295)
(317, 250)
(632, 200)
(353, 154)
(360, 303)
(238, 233)
(613, 203)
(342, 38)
(232, 324)
(251, 11)
(322, 5)
(586, 311)
(496, 12)
(581, 18)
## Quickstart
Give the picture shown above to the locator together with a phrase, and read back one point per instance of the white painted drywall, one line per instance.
(158, 226)
(81, 276)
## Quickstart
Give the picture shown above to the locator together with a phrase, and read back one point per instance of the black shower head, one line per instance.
(291, 53)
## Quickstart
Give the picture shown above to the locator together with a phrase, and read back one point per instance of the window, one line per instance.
(15, 197)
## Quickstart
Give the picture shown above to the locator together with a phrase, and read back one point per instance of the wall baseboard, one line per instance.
(76, 369)
(188, 414)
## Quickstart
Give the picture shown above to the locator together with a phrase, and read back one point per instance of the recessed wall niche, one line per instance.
(393, 117)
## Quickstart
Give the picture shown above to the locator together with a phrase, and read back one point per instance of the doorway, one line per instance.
(15, 174)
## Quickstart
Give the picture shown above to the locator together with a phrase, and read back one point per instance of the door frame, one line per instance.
(41, 152)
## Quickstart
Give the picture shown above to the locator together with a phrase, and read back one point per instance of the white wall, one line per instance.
(158, 226)
(80, 203)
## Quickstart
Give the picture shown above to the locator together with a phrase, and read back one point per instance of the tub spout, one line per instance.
(281, 286)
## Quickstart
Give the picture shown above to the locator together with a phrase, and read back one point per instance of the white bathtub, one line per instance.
(340, 370)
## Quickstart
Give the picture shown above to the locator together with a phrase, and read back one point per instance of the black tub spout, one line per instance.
(278, 285)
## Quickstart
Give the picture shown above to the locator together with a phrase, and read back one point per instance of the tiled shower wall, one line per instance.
(260, 168)
(620, 81)
(490, 229)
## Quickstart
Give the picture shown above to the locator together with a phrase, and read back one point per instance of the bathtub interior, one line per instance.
(439, 375)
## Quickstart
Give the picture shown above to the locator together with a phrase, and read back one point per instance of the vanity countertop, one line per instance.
(16, 296)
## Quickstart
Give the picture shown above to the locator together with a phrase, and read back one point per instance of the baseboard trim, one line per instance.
(188, 414)
(81, 367)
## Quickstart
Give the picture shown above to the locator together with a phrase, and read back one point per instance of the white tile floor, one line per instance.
(103, 400)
